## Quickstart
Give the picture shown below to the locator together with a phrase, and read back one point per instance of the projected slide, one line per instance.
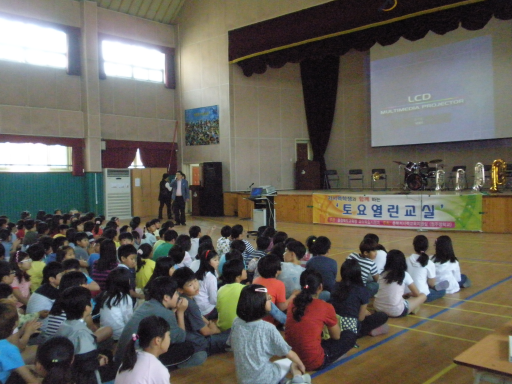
(436, 95)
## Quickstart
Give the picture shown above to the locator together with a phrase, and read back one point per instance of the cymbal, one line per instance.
(398, 162)
(435, 161)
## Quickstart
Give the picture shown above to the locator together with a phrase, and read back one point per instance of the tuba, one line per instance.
(460, 179)
(498, 175)
(479, 177)
(378, 176)
(440, 175)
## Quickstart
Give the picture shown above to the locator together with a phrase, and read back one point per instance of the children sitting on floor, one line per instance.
(291, 269)
(54, 360)
(224, 242)
(206, 299)
(76, 303)
(44, 297)
(228, 294)
(203, 333)
(145, 266)
(255, 341)
(142, 365)
(389, 298)
(365, 257)
(10, 357)
(308, 312)
(269, 267)
(320, 262)
(163, 300)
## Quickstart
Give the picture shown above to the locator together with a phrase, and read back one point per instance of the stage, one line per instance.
(298, 206)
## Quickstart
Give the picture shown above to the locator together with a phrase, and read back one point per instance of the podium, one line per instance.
(264, 213)
(197, 196)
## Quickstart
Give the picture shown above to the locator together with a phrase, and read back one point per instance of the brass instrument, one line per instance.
(498, 174)
(460, 179)
(479, 177)
(440, 177)
(378, 176)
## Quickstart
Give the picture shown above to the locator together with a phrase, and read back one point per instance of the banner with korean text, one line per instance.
(446, 212)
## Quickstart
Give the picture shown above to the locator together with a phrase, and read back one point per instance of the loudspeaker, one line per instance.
(212, 199)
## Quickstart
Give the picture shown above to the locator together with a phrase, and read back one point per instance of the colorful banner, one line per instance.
(445, 212)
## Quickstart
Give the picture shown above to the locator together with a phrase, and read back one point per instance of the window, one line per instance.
(34, 158)
(32, 44)
(133, 61)
(137, 162)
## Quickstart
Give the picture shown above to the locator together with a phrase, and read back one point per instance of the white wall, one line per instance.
(48, 102)
(260, 117)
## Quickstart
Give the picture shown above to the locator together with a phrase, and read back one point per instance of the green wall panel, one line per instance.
(49, 191)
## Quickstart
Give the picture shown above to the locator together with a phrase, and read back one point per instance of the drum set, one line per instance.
(418, 176)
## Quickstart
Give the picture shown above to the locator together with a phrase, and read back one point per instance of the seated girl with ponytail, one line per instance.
(423, 271)
(53, 361)
(392, 283)
(143, 366)
(145, 265)
(305, 322)
(255, 341)
(206, 275)
(350, 300)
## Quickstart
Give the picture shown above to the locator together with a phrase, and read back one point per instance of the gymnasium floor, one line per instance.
(419, 348)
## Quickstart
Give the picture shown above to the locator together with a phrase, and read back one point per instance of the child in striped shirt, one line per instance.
(368, 252)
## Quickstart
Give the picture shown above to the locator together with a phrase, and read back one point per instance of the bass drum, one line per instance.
(414, 181)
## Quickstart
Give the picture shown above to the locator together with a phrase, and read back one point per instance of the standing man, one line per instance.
(165, 196)
(180, 195)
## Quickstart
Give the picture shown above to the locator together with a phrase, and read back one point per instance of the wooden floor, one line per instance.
(418, 349)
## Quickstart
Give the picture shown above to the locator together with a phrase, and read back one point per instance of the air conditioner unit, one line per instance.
(118, 195)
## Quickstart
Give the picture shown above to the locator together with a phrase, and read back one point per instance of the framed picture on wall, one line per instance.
(202, 126)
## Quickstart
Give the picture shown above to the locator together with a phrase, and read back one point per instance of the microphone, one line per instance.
(250, 186)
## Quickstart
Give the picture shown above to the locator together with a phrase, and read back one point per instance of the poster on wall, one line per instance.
(202, 126)
(440, 212)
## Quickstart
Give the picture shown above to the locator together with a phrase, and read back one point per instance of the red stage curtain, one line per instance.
(158, 155)
(120, 154)
(336, 27)
(77, 159)
(77, 147)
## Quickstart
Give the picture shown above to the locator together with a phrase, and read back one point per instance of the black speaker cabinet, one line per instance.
(212, 198)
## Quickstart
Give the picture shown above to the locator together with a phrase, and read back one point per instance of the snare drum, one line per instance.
(410, 167)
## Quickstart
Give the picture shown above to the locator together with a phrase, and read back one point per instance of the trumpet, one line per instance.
(479, 177)
(440, 177)
(460, 179)
(498, 174)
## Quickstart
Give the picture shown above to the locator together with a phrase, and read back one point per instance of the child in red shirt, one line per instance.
(307, 312)
(269, 267)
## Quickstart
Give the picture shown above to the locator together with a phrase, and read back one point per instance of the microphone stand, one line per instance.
(421, 229)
